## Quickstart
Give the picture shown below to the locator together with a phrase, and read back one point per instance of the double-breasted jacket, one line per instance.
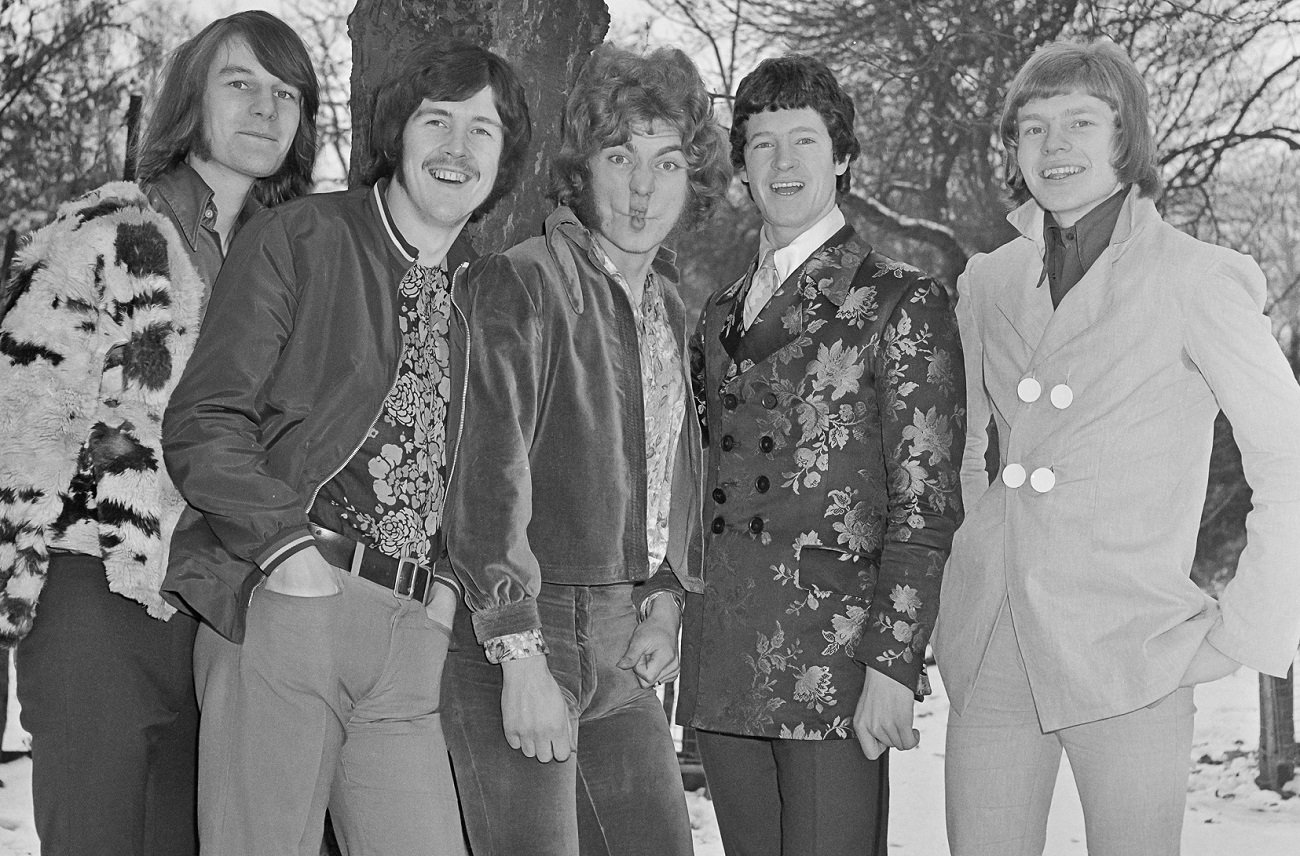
(1104, 411)
(834, 428)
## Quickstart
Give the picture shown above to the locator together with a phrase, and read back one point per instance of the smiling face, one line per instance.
(790, 168)
(638, 191)
(451, 151)
(250, 117)
(1064, 148)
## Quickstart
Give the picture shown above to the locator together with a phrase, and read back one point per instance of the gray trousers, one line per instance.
(329, 702)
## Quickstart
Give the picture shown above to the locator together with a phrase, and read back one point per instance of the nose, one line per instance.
(1055, 139)
(456, 141)
(265, 104)
(642, 182)
(784, 155)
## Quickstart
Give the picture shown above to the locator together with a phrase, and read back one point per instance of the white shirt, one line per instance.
(787, 259)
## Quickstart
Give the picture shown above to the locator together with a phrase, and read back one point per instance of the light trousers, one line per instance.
(1131, 770)
(329, 702)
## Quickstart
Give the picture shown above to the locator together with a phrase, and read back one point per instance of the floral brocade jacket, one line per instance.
(835, 427)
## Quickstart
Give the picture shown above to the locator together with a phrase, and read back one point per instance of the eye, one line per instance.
(1030, 130)
(436, 121)
(1083, 122)
(286, 94)
(806, 141)
(482, 131)
(238, 84)
(671, 166)
(619, 158)
(761, 144)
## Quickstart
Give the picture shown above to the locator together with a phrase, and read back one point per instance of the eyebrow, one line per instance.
(446, 114)
(1073, 111)
(234, 69)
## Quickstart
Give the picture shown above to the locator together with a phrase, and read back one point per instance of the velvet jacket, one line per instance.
(834, 434)
(553, 470)
(1090, 528)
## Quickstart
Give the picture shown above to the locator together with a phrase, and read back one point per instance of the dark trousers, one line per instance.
(108, 695)
(796, 797)
(619, 794)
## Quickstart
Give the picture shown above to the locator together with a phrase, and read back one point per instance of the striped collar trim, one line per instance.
(403, 246)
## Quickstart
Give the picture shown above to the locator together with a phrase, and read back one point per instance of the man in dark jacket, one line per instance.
(830, 378)
(311, 442)
(107, 303)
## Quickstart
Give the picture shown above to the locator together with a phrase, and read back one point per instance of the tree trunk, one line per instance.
(546, 41)
(1278, 752)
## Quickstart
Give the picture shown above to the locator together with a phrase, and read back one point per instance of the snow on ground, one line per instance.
(1226, 814)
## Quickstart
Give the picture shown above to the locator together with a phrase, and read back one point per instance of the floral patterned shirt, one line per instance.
(663, 392)
(390, 494)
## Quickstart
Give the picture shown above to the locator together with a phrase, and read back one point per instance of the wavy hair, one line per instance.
(1103, 70)
(618, 89)
(793, 82)
(455, 72)
(176, 125)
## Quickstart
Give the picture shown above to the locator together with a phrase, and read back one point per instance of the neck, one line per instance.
(634, 267)
(783, 236)
(430, 238)
(229, 190)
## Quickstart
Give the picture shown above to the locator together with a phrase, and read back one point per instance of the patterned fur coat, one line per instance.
(104, 313)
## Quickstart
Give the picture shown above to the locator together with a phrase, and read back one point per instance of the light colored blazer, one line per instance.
(1094, 548)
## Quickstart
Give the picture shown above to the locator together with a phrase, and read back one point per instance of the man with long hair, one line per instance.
(1102, 342)
(109, 298)
(570, 521)
(312, 434)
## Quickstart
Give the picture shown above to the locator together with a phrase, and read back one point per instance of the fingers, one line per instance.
(555, 746)
(871, 747)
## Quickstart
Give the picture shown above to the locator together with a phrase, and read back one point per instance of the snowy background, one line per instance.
(1226, 814)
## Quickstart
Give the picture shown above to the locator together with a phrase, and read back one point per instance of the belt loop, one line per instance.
(358, 553)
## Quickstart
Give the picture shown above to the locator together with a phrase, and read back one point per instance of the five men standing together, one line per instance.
(375, 426)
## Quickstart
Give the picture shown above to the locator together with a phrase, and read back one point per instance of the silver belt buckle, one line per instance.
(404, 585)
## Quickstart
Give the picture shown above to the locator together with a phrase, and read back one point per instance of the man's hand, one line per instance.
(304, 574)
(652, 651)
(442, 608)
(1208, 664)
(533, 713)
(883, 719)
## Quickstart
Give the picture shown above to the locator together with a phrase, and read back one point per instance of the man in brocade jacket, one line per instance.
(829, 382)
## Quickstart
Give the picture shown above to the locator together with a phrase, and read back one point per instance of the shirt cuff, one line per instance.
(515, 646)
(643, 609)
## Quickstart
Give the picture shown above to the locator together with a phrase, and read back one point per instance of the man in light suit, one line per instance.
(1102, 342)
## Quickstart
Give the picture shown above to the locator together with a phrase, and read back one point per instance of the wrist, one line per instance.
(662, 607)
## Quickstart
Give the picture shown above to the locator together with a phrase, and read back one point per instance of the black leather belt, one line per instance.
(408, 579)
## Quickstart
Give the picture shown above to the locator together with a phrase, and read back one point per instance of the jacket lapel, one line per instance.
(781, 321)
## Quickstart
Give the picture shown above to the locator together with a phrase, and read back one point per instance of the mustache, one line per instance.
(443, 162)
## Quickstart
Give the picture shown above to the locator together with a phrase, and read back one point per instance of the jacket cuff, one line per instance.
(663, 582)
(292, 541)
(518, 617)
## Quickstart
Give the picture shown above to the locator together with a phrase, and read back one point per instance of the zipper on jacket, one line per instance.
(464, 391)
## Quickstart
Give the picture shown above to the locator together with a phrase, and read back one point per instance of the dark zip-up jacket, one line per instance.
(300, 347)
(552, 455)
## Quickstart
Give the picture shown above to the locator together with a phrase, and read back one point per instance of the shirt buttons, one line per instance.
(766, 444)
(761, 484)
(1062, 396)
(718, 525)
(719, 495)
(730, 401)
(1041, 480)
(1013, 475)
(728, 442)
(1029, 390)
(769, 400)
(756, 525)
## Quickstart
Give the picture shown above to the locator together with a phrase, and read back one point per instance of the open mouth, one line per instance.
(450, 176)
(1056, 173)
(786, 188)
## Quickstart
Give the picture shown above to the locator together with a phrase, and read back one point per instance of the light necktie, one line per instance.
(762, 288)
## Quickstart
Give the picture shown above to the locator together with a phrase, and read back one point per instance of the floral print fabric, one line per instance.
(835, 434)
(390, 494)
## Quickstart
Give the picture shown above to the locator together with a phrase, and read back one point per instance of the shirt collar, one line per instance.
(183, 190)
(795, 253)
(1092, 231)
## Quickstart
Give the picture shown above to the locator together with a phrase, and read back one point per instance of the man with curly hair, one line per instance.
(106, 304)
(570, 533)
(313, 437)
(828, 379)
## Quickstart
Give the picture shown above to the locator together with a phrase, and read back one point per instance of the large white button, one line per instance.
(1013, 475)
(1042, 480)
(1029, 390)
(1062, 396)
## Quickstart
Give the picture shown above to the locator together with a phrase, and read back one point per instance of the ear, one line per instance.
(841, 166)
(743, 175)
